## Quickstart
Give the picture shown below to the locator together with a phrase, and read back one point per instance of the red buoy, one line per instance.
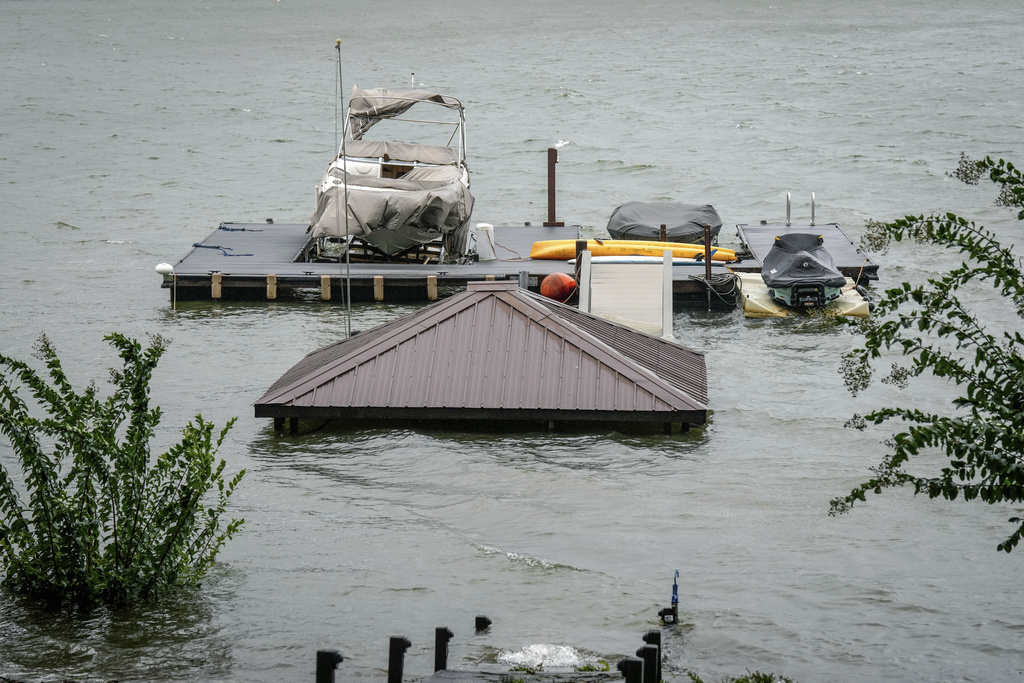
(558, 286)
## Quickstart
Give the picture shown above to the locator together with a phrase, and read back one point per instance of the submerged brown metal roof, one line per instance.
(496, 352)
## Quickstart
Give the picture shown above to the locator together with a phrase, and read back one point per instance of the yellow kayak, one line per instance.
(563, 250)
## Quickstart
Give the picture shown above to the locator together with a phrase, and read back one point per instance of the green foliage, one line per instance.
(755, 677)
(983, 437)
(99, 519)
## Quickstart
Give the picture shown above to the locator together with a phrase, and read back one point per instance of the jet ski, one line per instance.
(800, 273)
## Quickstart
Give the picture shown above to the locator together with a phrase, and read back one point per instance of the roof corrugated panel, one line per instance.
(501, 350)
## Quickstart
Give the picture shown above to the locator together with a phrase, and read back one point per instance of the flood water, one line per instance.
(129, 130)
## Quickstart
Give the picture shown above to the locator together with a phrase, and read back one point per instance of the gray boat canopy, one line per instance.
(367, 107)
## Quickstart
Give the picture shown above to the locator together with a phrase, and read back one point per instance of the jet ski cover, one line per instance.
(643, 220)
(800, 259)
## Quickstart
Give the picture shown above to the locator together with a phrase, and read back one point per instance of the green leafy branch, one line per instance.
(97, 518)
(929, 325)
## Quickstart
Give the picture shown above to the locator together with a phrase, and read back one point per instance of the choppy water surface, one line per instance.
(129, 131)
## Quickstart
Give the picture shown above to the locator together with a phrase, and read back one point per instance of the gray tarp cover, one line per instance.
(643, 221)
(402, 151)
(428, 203)
(367, 107)
(800, 259)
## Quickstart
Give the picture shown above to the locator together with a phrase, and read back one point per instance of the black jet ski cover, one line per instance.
(683, 222)
(800, 259)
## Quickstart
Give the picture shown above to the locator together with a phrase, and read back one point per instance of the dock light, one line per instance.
(164, 269)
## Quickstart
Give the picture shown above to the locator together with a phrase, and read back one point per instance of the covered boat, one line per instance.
(683, 222)
(799, 272)
(399, 195)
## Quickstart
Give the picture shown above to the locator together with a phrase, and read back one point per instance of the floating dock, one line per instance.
(265, 261)
(848, 257)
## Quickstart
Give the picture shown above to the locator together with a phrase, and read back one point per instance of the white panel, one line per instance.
(626, 292)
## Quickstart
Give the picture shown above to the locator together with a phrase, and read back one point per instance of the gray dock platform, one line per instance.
(849, 258)
(263, 261)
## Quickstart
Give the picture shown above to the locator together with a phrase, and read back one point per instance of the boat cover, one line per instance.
(367, 107)
(643, 221)
(401, 151)
(800, 259)
(393, 215)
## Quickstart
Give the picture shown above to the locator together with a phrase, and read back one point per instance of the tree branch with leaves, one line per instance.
(982, 438)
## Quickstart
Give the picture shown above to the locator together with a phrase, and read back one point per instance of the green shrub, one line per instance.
(98, 519)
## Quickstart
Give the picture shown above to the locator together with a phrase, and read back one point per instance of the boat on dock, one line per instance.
(399, 196)
(664, 221)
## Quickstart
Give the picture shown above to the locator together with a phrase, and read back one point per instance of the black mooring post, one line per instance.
(632, 669)
(649, 653)
(326, 662)
(396, 658)
(654, 638)
(581, 246)
(664, 233)
(707, 261)
(482, 622)
(442, 634)
(552, 160)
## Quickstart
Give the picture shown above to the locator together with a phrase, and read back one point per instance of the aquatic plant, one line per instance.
(983, 436)
(96, 517)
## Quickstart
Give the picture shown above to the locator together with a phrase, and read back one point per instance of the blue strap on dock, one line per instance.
(226, 228)
(223, 250)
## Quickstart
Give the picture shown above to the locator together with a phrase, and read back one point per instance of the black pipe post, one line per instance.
(664, 233)
(396, 658)
(649, 653)
(482, 622)
(581, 246)
(654, 638)
(442, 634)
(552, 160)
(632, 669)
(707, 261)
(326, 662)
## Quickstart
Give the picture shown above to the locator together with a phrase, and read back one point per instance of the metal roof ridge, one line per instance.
(626, 366)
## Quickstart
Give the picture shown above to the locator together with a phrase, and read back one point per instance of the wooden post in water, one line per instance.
(432, 287)
(271, 286)
(325, 287)
(215, 290)
(442, 634)
(378, 287)
(396, 658)
(664, 233)
(326, 662)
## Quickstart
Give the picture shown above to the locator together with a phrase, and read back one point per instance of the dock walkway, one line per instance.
(848, 257)
(263, 261)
